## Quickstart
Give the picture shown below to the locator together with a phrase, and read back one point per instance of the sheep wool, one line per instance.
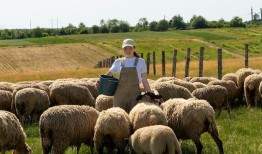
(5, 100)
(204, 80)
(112, 127)
(104, 102)
(157, 139)
(12, 134)
(67, 125)
(251, 89)
(191, 118)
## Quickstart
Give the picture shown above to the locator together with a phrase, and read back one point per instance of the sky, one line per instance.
(19, 14)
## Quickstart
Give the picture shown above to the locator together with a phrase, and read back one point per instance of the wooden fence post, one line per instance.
(174, 63)
(246, 55)
(148, 61)
(163, 64)
(201, 58)
(142, 55)
(154, 63)
(187, 62)
(219, 63)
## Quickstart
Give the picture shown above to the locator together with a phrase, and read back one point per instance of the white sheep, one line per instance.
(216, 95)
(191, 118)
(157, 139)
(30, 103)
(204, 80)
(67, 125)
(111, 129)
(242, 74)
(146, 114)
(104, 102)
(232, 77)
(5, 100)
(251, 89)
(199, 84)
(172, 91)
(12, 134)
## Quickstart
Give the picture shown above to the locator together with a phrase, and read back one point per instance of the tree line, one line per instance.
(119, 26)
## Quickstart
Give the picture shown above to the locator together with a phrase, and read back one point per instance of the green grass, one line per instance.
(240, 134)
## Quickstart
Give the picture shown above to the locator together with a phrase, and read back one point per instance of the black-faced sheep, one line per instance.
(30, 103)
(12, 134)
(67, 125)
(68, 93)
(191, 118)
(157, 139)
(251, 89)
(111, 129)
(216, 95)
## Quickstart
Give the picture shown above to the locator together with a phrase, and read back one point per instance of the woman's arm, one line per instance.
(145, 82)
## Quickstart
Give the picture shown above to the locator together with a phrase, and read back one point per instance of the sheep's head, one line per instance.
(150, 97)
(25, 149)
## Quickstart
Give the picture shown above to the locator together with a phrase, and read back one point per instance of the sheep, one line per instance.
(111, 129)
(91, 86)
(251, 89)
(232, 77)
(12, 134)
(172, 91)
(216, 95)
(163, 79)
(256, 71)
(191, 118)
(67, 125)
(5, 100)
(204, 80)
(231, 87)
(104, 102)
(242, 74)
(157, 139)
(62, 93)
(150, 81)
(30, 103)
(190, 86)
(199, 84)
(146, 114)
(260, 89)
(7, 86)
(47, 83)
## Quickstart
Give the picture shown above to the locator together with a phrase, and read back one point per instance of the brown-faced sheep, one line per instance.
(191, 118)
(104, 102)
(146, 114)
(30, 103)
(111, 129)
(12, 134)
(216, 95)
(251, 89)
(157, 139)
(68, 93)
(67, 125)
(5, 100)
(204, 80)
(172, 91)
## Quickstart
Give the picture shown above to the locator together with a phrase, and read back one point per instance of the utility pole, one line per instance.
(30, 24)
(57, 24)
(252, 14)
(52, 23)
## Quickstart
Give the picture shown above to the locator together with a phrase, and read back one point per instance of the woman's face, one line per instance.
(129, 51)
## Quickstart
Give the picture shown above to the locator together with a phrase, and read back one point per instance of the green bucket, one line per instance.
(108, 85)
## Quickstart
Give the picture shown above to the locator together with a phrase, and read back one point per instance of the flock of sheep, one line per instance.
(70, 112)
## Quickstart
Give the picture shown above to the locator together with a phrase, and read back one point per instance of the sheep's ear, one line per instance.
(139, 97)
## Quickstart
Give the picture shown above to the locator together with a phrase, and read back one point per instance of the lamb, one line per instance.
(157, 139)
(191, 118)
(5, 100)
(146, 114)
(172, 91)
(251, 89)
(216, 95)
(63, 93)
(67, 125)
(111, 129)
(231, 87)
(12, 134)
(30, 103)
(104, 102)
(204, 80)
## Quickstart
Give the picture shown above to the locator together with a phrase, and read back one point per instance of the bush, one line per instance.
(162, 25)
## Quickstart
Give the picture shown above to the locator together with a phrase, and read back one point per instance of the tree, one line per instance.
(115, 29)
(37, 32)
(236, 22)
(142, 24)
(198, 22)
(124, 26)
(103, 29)
(177, 22)
(70, 29)
(162, 25)
(153, 26)
(82, 28)
(95, 29)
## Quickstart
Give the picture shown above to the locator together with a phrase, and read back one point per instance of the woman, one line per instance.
(133, 71)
